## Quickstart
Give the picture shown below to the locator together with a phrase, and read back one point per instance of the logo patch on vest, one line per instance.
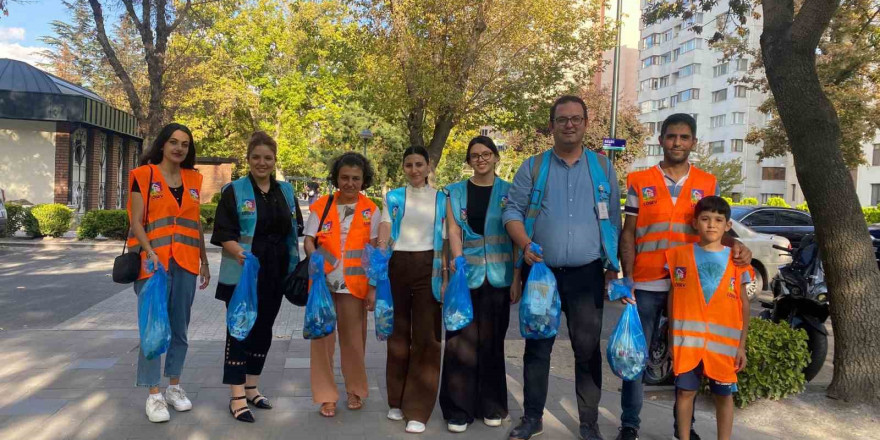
(679, 275)
(248, 206)
(731, 289)
(463, 214)
(696, 196)
(194, 193)
(503, 201)
(394, 210)
(326, 227)
(367, 215)
(649, 195)
(155, 190)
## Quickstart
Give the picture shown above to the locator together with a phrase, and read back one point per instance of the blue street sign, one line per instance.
(613, 144)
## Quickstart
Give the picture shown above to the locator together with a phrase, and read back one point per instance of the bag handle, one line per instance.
(324, 217)
(146, 210)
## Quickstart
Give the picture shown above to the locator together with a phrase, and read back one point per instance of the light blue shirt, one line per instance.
(566, 227)
(711, 267)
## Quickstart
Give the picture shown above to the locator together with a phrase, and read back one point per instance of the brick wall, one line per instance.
(113, 170)
(62, 162)
(214, 176)
(94, 168)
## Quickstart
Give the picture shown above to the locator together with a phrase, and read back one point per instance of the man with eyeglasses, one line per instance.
(567, 201)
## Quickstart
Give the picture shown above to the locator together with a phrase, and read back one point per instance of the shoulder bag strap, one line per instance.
(146, 208)
(324, 217)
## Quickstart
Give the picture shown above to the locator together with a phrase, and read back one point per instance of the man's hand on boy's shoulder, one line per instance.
(742, 255)
(741, 360)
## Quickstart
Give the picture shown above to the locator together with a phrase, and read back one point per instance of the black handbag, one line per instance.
(296, 284)
(127, 266)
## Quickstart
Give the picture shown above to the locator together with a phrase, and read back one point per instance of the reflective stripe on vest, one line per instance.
(608, 232)
(489, 256)
(172, 228)
(660, 225)
(246, 210)
(707, 333)
(395, 203)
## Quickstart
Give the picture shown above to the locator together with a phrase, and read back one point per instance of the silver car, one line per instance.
(765, 259)
(3, 214)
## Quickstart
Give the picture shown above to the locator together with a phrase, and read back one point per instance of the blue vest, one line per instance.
(540, 168)
(395, 203)
(230, 270)
(488, 255)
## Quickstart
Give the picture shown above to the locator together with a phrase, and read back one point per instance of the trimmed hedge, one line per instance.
(872, 214)
(208, 211)
(776, 357)
(778, 202)
(49, 219)
(748, 201)
(215, 199)
(15, 215)
(109, 223)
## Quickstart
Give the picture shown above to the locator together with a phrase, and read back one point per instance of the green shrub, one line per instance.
(803, 207)
(215, 199)
(778, 201)
(208, 211)
(728, 200)
(15, 215)
(109, 223)
(776, 357)
(872, 214)
(378, 201)
(49, 219)
(748, 201)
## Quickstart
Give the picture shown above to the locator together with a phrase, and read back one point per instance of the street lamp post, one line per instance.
(366, 135)
(615, 79)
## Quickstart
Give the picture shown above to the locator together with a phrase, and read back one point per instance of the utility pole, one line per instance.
(615, 79)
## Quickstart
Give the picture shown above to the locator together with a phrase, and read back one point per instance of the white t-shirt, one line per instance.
(335, 279)
(417, 226)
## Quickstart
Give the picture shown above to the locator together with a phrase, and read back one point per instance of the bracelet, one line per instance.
(445, 269)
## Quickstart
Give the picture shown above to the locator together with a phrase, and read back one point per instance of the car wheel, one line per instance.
(757, 284)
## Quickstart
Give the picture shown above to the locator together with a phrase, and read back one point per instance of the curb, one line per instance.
(64, 245)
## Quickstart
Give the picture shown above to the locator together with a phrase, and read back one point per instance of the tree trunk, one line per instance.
(415, 125)
(442, 127)
(810, 120)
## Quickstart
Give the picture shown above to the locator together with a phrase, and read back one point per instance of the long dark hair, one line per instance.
(421, 151)
(154, 155)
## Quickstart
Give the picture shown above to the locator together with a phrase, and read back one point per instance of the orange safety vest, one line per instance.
(661, 225)
(701, 332)
(329, 239)
(173, 229)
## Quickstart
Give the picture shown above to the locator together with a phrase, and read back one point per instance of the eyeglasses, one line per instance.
(575, 120)
(484, 156)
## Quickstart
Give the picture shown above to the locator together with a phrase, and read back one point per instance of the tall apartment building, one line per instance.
(679, 72)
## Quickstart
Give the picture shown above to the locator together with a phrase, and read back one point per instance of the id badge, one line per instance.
(603, 210)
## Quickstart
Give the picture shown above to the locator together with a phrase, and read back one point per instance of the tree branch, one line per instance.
(778, 14)
(814, 16)
(180, 16)
(127, 84)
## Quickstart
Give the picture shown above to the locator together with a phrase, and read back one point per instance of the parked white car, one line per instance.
(765, 259)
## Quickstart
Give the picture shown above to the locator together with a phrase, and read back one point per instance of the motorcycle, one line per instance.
(800, 298)
(658, 367)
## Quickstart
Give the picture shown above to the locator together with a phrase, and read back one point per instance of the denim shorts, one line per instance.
(691, 381)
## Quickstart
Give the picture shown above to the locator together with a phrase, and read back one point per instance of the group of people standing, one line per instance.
(565, 200)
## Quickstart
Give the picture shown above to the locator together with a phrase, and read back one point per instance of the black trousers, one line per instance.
(248, 357)
(581, 290)
(474, 382)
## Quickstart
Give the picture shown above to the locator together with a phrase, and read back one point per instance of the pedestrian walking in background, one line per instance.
(474, 383)
(412, 225)
(339, 227)
(163, 211)
(256, 214)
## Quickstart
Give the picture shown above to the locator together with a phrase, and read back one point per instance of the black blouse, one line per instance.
(477, 206)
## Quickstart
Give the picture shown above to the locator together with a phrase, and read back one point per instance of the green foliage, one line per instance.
(216, 197)
(728, 200)
(49, 219)
(748, 201)
(727, 172)
(112, 223)
(778, 202)
(803, 207)
(872, 214)
(777, 355)
(15, 215)
(378, 201)
(208, 211)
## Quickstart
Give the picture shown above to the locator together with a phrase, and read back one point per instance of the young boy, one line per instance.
(709, 317)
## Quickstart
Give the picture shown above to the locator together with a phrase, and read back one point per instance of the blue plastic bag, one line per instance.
(620, 288)
(320, 319)
(375, 262)
(458, 311)
(627, 350)
(540, 308)
(153, 324)
(242, 310)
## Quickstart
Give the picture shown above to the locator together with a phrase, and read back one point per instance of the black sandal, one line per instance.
(259, 401)
(241, 414)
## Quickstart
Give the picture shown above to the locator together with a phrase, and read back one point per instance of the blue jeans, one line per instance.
(181, 291)
(650, 305)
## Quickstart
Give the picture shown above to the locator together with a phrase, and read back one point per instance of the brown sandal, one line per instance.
(355, 402)
(328, 409)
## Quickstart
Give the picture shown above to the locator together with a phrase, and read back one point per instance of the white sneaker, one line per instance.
(494, 423)
(157, 409)
(395, 414)
(414, 427)
(452, 427)
(175, 395)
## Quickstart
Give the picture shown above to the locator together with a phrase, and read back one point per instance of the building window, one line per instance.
(716, 147)
(773, 173)
(675, 53)
(666, 36)
(692, 44)
(688, 95)
(676, 30)
(742, 65)
(717, 121)
(662, 103)
(655, 150)
(719, 95)
(739, 118)
(673, 100)
(484, 132)
(740, 91)
(645, 107)
(875, 159)
(666, 58)
(664, 81)
(737, 197)
(695, 19)
(102, 176)
(794, 192)
(690, 69)
(875, 194)
(120, 170)
(736, 145)
(78, 169)
(719, 70)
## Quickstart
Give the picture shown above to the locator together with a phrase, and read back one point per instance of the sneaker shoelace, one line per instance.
(157, 404)
(178, 393)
